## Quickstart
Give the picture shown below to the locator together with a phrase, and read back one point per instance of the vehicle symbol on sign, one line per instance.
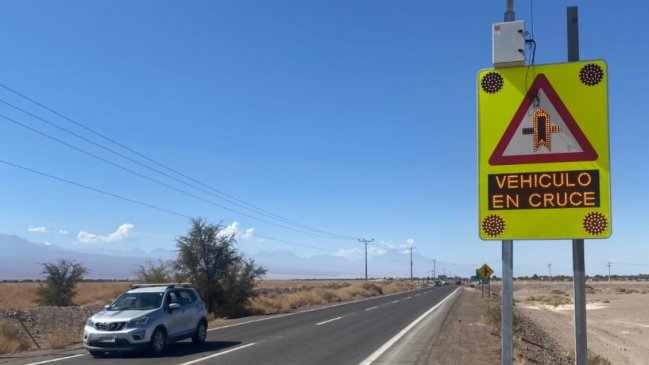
(485, 272)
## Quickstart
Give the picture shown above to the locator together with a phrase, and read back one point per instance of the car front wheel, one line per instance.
(201, 333)
(158, 339)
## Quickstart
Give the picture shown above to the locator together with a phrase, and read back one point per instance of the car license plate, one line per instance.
(110, 339)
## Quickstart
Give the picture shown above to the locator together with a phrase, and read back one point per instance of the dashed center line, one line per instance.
(369, 309)
(58, 359)
(217, 354)
(395, 301)
(327, 321)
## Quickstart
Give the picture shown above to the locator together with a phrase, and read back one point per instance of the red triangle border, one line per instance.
(541, 83)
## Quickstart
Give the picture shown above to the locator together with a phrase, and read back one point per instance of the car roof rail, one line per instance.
(168, 285)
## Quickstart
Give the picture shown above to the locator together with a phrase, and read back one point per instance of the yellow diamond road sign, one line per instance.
(543, 152)
(485, 272)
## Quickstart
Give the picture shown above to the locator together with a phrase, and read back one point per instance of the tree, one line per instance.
(62, 278)
(149, 273)
(207, 257)
(239, 286)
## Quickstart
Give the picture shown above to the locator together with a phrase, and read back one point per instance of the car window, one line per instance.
(185, 296)
(172, 297)
(136, 301)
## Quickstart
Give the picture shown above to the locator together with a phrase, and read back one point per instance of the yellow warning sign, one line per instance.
(543, 152)
(485, 272)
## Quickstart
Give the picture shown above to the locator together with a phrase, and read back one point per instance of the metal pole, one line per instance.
(579, 285)
(609, 273)
(578, 261)
(365, 260)
(410, 263)
(434, 273)
(573, 33)
(507, 317)
(365, 241)
(509, 13)
(507, 314)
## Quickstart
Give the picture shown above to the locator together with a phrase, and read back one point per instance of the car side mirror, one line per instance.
(173, 306)
(107, 306)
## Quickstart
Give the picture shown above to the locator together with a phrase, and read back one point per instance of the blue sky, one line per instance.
(353, 117)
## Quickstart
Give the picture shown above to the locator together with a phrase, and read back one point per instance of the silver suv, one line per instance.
(147, 317)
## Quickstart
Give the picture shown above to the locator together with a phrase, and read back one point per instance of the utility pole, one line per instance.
(550, 271)
(410, 263)
(609, 272)
(434, 264)
(366, 241)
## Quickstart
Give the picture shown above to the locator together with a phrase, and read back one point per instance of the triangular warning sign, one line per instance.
(542, 130)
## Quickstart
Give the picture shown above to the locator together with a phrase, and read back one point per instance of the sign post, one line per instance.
(578, 254)
(544, 162)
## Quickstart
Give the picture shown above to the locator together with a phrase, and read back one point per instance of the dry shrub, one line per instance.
(11, 339)
(593, 358)
(317, 295)
(491, 315)
(553, 300)
(23, 295)
(362, 289)
(62, 337)
(558, 292)
(18, 295)
(590, 289)
(621, 290)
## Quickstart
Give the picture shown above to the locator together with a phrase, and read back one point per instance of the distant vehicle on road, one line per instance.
(147, 317)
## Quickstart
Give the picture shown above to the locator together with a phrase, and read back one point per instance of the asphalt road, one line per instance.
(346, 333)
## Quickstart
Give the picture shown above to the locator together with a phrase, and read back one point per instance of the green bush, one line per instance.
(62, 278)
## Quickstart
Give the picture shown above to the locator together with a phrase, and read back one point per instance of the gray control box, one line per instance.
(508, 44)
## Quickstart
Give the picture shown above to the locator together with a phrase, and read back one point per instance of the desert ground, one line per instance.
(617, 316)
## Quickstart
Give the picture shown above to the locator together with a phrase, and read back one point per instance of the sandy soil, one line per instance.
(617, 317)
(465, 338)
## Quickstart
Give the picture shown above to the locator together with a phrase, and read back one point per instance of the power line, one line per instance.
(229, 198)
(292, 243)
(95, 189)
(134, 201)
(157, 181)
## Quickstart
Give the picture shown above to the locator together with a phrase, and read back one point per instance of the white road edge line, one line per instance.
(376, 354)
(58, 359)
(217, 354)
(327, 321)
(370, 308)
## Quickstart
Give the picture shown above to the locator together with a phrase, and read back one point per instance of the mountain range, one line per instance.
(22, 259)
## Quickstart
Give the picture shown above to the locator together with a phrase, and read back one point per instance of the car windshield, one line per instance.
(136, 301)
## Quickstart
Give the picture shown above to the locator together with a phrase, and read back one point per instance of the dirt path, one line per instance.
(463, 338)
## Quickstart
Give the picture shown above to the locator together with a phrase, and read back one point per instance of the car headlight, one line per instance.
(139, 322)
(89, 323)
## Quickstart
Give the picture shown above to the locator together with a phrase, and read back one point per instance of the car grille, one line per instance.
(110, 326)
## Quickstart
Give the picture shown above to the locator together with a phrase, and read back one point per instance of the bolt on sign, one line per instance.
(543, 152)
